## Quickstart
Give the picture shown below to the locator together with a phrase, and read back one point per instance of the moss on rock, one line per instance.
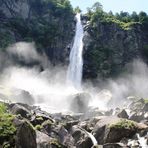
(123, 124)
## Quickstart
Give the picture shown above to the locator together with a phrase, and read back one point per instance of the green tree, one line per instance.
(97, 6)
(77, 9)
(134, 17)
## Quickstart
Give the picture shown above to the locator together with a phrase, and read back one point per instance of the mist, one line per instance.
(131, 83)
(47, 86)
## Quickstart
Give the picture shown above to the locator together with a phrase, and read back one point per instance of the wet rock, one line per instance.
(137, 117)
(137, 105)
(57, 132)
(37, 120)
(114, 145)
(81, 138)
(23, 96)
(93, 112)
(123, 114)
(134, 144)
(109, 113)
(113, 129)
(25, 135)
(42, 140)
(145, 108)
(69, 124)
(19, 110)
(80, 102)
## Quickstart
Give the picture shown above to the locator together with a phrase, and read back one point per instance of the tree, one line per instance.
(134, 17)
(77, 9)
(97, 6)
(142, 17)
(110, 13)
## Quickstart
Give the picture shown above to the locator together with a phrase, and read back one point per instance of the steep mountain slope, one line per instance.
(110, 43)
(49, 23)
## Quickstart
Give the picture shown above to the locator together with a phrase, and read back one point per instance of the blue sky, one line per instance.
(114, 5)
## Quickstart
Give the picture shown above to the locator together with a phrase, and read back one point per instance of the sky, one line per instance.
(114, 5)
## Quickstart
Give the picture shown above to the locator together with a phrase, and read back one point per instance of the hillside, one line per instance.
(48, 23)
(113, 40)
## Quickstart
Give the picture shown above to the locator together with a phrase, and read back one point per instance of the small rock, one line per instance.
(20, 110)
(123, 114)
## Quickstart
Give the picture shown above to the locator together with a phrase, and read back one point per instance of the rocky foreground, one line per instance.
(24, 126)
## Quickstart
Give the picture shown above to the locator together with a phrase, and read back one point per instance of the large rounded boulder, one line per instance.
(113, 129)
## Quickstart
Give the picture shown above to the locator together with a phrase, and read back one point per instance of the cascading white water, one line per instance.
(94, 141)
(74, 74)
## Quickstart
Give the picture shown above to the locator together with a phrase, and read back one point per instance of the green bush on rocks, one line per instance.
(7, 129)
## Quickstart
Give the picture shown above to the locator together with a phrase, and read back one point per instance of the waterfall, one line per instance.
(91, 136)
(74, 74)
(93, 139)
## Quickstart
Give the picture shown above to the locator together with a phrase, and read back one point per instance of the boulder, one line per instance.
(81, 138)
(114, 145)
(137, 117)
(123, 114)
(42, 140)
(137, 105)
(145, 107)
(113, 129)
(80, 102)
(57, 132)
(25, 135)
(19, 110)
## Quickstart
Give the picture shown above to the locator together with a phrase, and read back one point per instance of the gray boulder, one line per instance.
(19, 110)
(25, 135)
(113, 129)
(123, 114)
(43, 140)
(81, 138)
(80, 102)
(114, 145)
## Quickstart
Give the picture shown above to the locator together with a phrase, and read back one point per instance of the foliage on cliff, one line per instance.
(113, 40)
(123, 19)
(46, 22)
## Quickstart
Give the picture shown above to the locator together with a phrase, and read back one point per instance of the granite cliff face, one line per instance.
(108, 48)
(50, 24)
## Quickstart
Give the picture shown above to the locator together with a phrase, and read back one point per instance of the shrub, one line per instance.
(7, 129)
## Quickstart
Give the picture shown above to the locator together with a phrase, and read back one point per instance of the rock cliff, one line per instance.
(50, 24)
(108, 47)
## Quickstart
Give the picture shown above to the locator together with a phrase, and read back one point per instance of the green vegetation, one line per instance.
(123, 124)
(146, 100)
(46, 25)
(55, 143)
(7, 129)
(39, 118)
(38, 127)
(112, 41)
(77, 9)
(47, 123)
(122, 19)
